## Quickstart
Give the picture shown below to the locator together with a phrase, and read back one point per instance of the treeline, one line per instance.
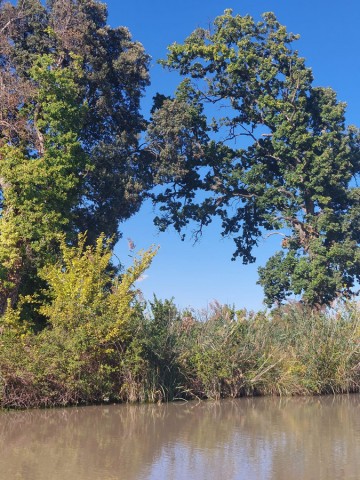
(77, 158)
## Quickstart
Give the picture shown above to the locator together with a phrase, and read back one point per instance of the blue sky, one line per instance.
(196, 274)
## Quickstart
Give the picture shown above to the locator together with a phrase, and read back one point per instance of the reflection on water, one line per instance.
(260, 438)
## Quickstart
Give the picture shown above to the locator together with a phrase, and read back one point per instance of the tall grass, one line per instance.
(167, 355)
(223, 353)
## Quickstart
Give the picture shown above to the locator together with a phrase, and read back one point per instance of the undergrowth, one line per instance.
(102, 344)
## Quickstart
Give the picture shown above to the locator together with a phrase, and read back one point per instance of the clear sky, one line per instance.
(196, 274)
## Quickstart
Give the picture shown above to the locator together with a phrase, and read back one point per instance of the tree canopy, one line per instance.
(70, 90)
(248, 138)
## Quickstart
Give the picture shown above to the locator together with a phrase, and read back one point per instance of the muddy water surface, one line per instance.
(252, 439)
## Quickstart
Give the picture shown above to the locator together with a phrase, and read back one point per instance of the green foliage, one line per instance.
(150, 367)
(224, 353)
(73, 331)
(77, 358)
(40, 181)
(84, 295)
(164, 354)
(294, 351)
(280, 159)
(69, 153)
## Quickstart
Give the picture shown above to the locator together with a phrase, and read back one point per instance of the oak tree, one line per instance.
(248, 138)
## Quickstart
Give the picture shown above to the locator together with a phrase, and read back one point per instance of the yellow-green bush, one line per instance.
(89, 315)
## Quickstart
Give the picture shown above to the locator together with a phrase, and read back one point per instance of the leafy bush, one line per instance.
(77, 357)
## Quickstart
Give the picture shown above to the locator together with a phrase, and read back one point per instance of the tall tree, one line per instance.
(249, 138)
(70, 90)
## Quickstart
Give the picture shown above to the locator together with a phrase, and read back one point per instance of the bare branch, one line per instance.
(273, 233)
(40, 136)
(20, 16)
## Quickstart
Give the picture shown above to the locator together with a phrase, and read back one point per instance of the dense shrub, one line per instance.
(89, 315)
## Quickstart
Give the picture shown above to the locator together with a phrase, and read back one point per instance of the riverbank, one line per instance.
(167, 355)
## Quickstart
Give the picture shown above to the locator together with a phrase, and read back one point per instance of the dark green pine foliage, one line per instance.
(249, 138)
(70, 90)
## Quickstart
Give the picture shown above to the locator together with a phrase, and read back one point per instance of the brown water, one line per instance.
(261, 438)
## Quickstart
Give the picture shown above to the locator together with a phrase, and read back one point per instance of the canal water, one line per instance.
(257, 438)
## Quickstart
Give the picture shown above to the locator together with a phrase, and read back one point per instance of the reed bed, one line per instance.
(169, 354)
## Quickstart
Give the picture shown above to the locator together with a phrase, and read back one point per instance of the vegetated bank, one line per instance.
(73, 166)
(102, 344)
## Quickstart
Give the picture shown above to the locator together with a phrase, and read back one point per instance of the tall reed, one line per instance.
(167, 354)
